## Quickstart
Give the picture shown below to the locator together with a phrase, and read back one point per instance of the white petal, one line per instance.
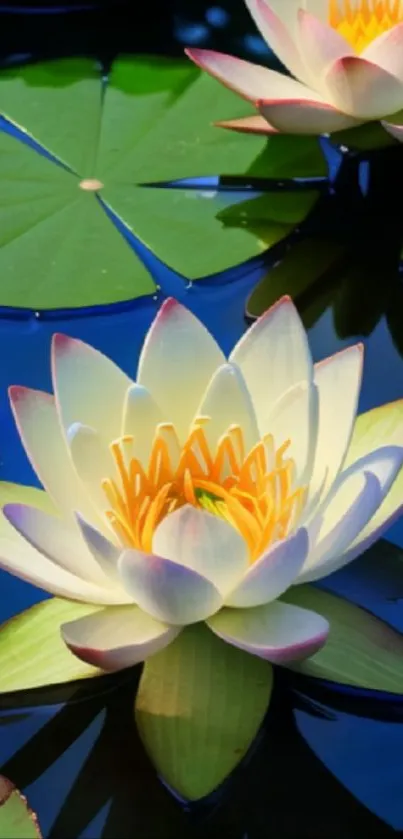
(320, 44)
(272, 574)
(273, 356)
(354, 499)
(141, 415)
(252, 81)
(294, 417)
(93, 463)
(39, 428)
(179, 357)
(204, 542)
(166, 590)
(89, 387)
(363, 89)
(254, 124)
(338, 380)
(387, 51)
(278, 37)
(296, 116)
(227, 402)
(118, 637)
(104, 552)
(55, 539)
(278, 631)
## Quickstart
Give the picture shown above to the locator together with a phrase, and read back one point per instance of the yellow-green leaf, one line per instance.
(361, 650)
(199, 706)
(17, 821)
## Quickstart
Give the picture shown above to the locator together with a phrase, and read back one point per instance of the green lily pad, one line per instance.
(17, 821)
(32, 653)
(151, 123)
(199, 706)
(361, 650)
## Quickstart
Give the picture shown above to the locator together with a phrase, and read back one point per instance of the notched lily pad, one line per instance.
(149, 124)
(17, 821)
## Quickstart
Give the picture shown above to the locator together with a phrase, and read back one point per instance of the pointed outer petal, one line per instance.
(166, 590)
(278, 37)
(395, 130)
(296, 116)
(89, 387)
(272, 574)
(277, 632)
(273, 355)
(320, 45)
(252, 81)
(178, 358)
(141, 415)
(294, 417)
(93, 462)
(338, 380)
(39, 428)
(383, 424)
(57, 540)
(227, 402)
(104, 552)
(387, 51)
(117, 637)
(205, 543)
(355, 498)
(255, 124)
(362, 89)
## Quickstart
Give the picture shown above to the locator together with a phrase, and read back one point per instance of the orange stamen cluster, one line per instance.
(253, 491)
(361, 21)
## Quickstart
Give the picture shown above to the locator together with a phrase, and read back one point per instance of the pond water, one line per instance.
(327, 763)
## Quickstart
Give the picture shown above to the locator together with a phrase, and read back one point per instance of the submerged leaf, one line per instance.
(361, 650)
(32, 653)
(17, 821)
(199, 706)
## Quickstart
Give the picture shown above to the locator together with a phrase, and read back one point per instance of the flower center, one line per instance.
(253, 491)
(362, 21)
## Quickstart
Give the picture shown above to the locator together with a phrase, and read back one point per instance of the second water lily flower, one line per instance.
(202, 490)
(346, 57)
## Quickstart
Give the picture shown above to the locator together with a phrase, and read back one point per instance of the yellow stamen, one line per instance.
(361, 21)
(254, 492)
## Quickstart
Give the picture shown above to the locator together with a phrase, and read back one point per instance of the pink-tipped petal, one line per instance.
(320, 45)
(295, 116)
(251, 81)
(278, 37)
(116, 638)
(167, 590)
(178, 358)
(255, 124)
(363, 89)
(277, 632)
(205, 543)
(276, 343)
(396, 131)
(89, 387)
(272, 574)
(387, 51)
(38, 425)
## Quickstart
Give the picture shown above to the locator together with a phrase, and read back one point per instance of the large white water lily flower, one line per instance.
(346, 57)
(201, 491)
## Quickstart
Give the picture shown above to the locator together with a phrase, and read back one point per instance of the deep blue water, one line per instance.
(328, 761)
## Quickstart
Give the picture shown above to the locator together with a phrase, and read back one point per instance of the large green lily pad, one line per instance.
(151, 123)
(17, 821)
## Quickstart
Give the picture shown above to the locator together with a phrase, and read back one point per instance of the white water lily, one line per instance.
(203, 490)
(346, 57)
